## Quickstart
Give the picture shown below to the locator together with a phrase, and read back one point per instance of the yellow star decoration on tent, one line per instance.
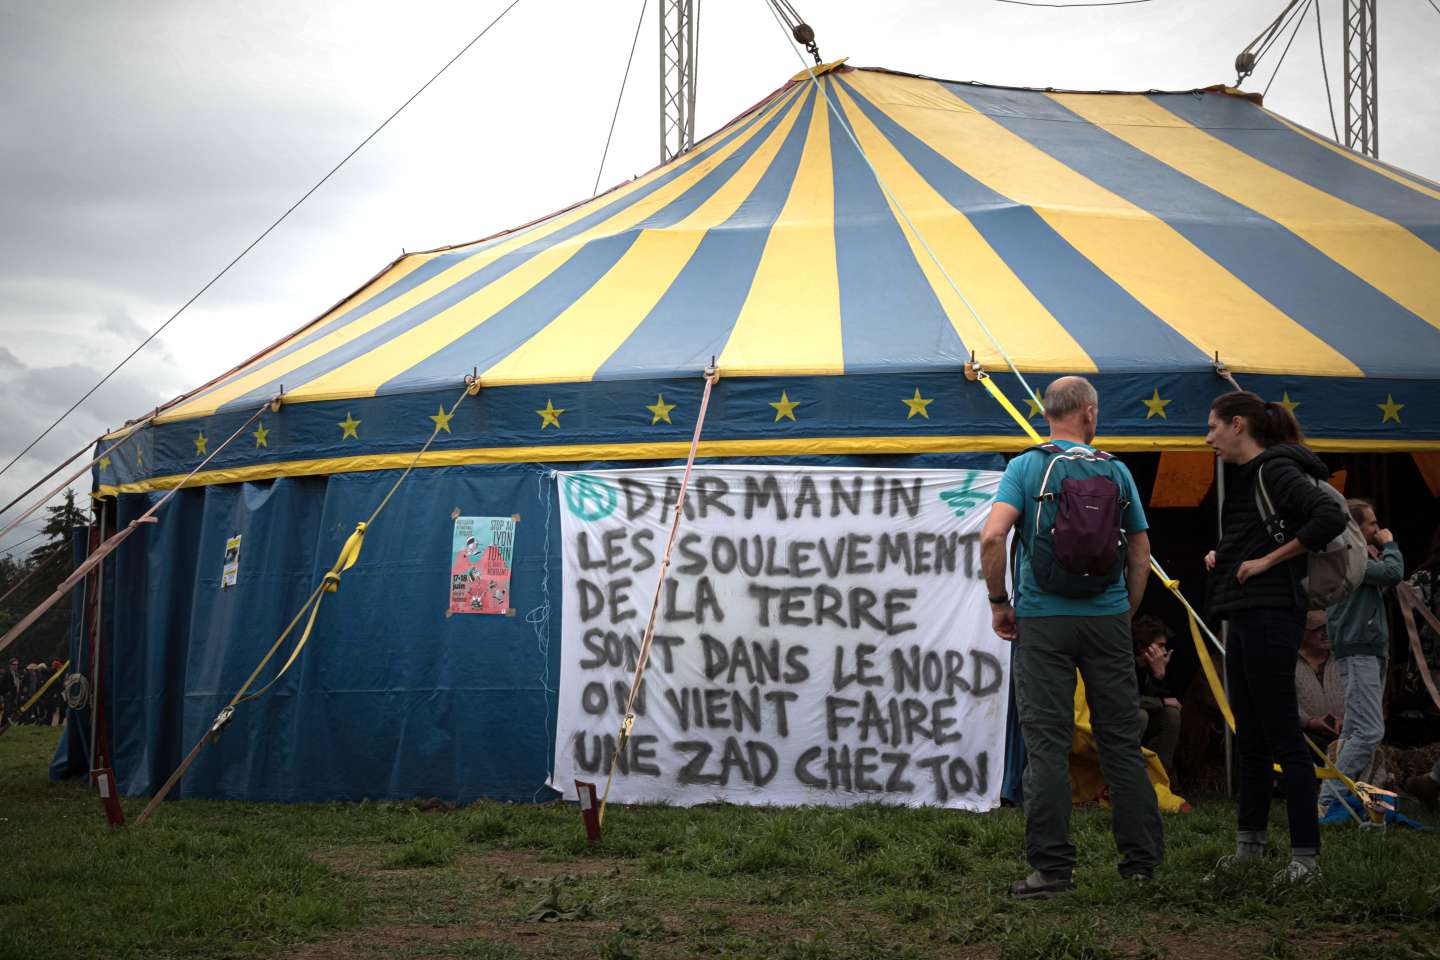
(917, 404)
(104, 463)
(660, 410)
(1155, 406)
(784, 407)
(260, 435)
(349, 427)
(550, 416)
(1391, 409)
(1288, 404)
(1036, 408)
(200, 442)
(442, 420)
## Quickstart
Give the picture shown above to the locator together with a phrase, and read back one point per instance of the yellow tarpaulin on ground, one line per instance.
(1087, 784)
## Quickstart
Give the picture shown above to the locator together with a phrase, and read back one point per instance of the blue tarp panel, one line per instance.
(391, 698)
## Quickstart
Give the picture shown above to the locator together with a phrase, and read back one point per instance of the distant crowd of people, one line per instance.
(18, 685)
(1080, 568)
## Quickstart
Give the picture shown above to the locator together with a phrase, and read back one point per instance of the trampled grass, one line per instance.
(207, 879)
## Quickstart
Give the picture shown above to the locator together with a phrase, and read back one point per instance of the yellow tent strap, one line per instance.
(1208, 665)
(1004, 401)
(349, 553)
(41, 692)
(1327, 771)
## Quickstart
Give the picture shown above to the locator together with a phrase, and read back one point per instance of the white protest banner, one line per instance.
(823, 637)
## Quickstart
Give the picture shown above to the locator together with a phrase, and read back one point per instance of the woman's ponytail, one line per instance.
(1280, 426)
(1268, 423)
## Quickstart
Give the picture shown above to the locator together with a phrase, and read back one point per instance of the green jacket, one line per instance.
(1358, 624)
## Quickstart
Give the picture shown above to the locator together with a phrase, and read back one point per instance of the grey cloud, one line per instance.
(119, 322)
(33, 396)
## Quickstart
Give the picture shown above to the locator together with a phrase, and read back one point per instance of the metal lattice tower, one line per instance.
(677, 78)
(1362, 114)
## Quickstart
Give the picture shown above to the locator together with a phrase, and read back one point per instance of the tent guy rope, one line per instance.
(89, 445)
(110, 545)
(639, 22)
(712, 374)
(131, 431)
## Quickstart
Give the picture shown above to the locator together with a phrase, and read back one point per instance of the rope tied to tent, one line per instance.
(712, 375)
(113, 543)
(329, 583)
(131, 431)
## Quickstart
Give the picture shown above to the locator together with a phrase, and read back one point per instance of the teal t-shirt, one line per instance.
(1019, 488)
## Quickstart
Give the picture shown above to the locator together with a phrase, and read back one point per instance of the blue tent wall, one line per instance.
(392, 698)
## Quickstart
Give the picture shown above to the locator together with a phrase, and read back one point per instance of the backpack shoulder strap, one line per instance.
(1269, 517)
(1052, 451)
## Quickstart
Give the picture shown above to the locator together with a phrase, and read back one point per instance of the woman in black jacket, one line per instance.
(1255, 583)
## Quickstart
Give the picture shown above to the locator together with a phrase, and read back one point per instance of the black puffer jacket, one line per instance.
(1310, 516)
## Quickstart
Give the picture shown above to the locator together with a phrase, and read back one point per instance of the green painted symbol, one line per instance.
(590, 498)
(964, 498)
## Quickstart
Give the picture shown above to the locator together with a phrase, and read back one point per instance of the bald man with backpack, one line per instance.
(1083, 558)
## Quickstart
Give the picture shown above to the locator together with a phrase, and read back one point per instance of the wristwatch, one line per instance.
(996, 601)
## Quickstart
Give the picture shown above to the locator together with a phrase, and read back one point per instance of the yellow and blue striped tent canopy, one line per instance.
(1134, 238)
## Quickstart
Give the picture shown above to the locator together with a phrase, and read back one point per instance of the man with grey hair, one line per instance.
(1071, 395)
(1083, 563)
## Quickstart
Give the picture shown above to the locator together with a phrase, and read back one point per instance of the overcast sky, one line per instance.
(143, 144)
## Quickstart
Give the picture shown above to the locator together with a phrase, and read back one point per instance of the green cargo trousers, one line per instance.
(1048, 651)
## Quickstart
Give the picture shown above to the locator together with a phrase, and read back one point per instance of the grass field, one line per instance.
(212, 879)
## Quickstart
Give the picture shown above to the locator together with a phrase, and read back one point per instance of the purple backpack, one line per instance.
(1077, 548)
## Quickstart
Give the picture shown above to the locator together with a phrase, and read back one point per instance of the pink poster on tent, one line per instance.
(481, 552)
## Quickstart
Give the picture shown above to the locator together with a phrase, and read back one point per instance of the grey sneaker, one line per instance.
(1041, 886)
(1297, 873)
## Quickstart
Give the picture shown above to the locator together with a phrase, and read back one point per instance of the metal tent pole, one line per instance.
(95, 647)
(1224, 628)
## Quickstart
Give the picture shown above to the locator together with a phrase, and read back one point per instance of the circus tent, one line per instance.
(843, 254)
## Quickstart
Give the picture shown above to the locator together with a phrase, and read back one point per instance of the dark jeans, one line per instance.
(1047, 653)
(1160, 731)
(1260, 666)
